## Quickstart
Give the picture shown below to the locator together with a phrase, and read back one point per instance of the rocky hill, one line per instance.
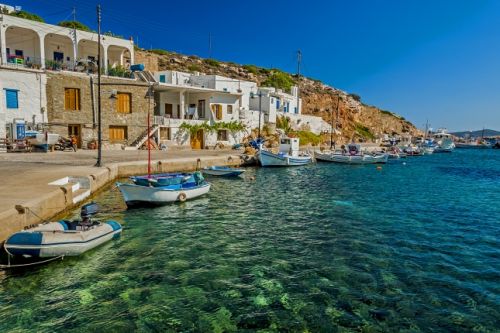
(356, 119)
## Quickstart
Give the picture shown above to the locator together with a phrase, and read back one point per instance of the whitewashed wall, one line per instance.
(31, 97)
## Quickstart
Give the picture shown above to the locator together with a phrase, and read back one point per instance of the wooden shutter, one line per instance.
(123, 103)
(72, 99)
(117, 133)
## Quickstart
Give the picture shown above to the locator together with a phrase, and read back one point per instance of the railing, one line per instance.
(24, 62)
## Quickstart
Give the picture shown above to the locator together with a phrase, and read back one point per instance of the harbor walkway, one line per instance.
(27, 197)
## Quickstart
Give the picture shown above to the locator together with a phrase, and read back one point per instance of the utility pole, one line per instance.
(299, 59)
(337, 114)
(74, 36)
(99, 134)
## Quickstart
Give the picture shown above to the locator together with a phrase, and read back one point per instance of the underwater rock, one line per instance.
(379, 314)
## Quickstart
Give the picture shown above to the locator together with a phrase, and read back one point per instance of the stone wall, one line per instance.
(150, 60)
(86, 117)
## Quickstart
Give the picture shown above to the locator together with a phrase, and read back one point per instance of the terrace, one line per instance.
(29, 44)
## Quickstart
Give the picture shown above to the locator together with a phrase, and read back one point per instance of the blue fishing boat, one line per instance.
(63, 238)
(222, 171)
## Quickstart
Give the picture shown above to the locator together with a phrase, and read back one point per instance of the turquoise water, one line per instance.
(412, 247)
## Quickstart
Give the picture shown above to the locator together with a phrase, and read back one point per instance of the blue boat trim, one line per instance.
(64, 224)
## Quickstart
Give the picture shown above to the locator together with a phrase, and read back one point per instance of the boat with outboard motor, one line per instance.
(222, 171)
(141, 195)
(352, 155)
(63, 238)
(164, 179)
(288, 154)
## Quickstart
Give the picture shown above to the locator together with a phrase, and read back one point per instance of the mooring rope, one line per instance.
(31, 264)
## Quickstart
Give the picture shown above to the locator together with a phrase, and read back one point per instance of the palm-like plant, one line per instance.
(284, 123)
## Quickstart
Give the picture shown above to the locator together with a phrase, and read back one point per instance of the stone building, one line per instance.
(72, 108)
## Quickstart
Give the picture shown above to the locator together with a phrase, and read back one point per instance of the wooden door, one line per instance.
(168, 110)
(76, 131)
(197, 141)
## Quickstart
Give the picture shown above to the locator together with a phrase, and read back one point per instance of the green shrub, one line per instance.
(307, 137)
(279, 80)
(74, 25)
(27, 15)
(212, 62)
(251, 69)
(119, 71)
(356, 97)
(194, 68)
(160, 52)
(364, 131)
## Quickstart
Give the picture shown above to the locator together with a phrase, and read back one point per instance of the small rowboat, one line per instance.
(63, 238)
(352, 159)
(137, 195)
(222, 171)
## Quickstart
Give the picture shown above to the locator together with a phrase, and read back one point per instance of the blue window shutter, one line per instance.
(162, 79)
(11, 98)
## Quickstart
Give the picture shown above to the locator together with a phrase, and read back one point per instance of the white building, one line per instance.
(28, 49)
(23, 101)
(32, 44)
(197, 98)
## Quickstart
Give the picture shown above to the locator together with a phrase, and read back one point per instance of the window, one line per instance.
(277, 103)
(72, 99)
(124, 102)
(222, 135)
(117, 133)
(296, 111)
(19, 53)
(162, 78)
(229, 109)
(11, 98)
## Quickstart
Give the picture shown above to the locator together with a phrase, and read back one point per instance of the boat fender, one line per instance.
(182, 197)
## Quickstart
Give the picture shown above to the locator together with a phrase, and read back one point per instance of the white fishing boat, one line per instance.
(444, 141)
(222, 171)
(480, 144)
(42, 141)
(288, 154)
(63, 238)
(139, 195)
(353, 155)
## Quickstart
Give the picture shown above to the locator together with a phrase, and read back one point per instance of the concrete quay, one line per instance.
(42, 186)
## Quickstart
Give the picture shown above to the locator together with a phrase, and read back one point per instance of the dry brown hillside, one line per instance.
(356, 120)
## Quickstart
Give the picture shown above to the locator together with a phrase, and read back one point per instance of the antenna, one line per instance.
(299, 59)
(209, 45)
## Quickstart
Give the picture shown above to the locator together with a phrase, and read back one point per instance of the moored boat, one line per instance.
(444, 141)
(288, 154)
(222, 171)
(163, 179)
(138, 195)
(352, 156)
(63, 238)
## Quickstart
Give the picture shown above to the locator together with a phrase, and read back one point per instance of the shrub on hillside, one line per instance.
(212, 62)
(74, 25)
(27, 15)
(279, 80)
(160, 52)
(194, 68)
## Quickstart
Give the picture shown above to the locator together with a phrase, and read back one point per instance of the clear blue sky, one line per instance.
(437, 60)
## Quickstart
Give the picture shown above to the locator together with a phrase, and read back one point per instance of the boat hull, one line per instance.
(352, 159)
(53, 239)
(136, 195)
(267, 159)
(223, 172)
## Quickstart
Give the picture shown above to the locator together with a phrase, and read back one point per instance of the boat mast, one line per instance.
(150, 93)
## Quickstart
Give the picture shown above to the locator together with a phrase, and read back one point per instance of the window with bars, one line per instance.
(222, 135)
(124, 102)
(72, 99)
(229, 109)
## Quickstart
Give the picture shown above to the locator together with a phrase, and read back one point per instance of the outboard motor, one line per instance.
(89, 210)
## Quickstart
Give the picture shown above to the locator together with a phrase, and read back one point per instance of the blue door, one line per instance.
(20, 131)
(277, 104)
